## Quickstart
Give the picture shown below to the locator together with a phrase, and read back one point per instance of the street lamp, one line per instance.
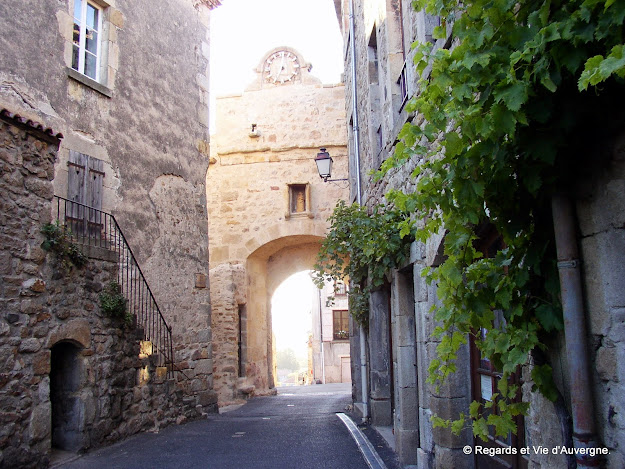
(324, 166)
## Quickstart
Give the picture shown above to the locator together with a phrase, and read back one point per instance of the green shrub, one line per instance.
(58, 239)
(114, 304)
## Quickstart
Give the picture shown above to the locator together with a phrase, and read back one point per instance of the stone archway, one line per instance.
(67, 406)
(241, 297)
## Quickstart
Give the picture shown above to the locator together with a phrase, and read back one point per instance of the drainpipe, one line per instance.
(356, 129)
(323, 364)
(584, 434)
(356, 133)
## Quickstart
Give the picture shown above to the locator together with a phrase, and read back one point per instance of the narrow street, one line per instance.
(297, 428)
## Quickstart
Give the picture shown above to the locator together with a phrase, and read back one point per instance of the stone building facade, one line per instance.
(399, 346)
(72, 377)
(330, 335)
(126, 84)
(267, 207)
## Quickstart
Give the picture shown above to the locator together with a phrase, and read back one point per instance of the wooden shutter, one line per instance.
(95, 174)
(84, 186)
(76, 182)
(95, 177)
(76, 192)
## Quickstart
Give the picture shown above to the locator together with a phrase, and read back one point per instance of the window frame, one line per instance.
(82, 38)
(338, 331)
(291, 200)
(484, 376)
(340, 288)
(402, 82)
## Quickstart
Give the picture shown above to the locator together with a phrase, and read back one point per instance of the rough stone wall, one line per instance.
(43, 303)
(601, 216)
(404, 353)
(380, 363)
(26, 172)
(600, 204)
(225, 324)
(417, 442)
(438, 447)
(251, 225)
(147, 120)
(378, 103)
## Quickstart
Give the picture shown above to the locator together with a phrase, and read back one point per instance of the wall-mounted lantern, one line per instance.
(324, 166)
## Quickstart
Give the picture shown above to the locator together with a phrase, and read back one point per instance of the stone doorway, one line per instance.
(67, 407)
(241, 315)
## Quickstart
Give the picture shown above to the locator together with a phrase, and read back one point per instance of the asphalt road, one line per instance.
(298, 428)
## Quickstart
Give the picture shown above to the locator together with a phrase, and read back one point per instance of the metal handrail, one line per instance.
(93, 227)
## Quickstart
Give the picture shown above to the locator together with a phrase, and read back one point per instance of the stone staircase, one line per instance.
(99, 234)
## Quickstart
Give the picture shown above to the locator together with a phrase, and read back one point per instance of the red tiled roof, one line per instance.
(27, 123)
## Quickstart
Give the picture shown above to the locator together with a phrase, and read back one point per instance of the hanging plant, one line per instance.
(58, 239)
(114, 304)
(361, 247)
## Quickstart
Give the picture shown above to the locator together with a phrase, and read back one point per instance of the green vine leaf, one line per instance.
(598, 69)
(542, 377)
(502, 119)
(362, 247)
(503, 423)
(458, 425)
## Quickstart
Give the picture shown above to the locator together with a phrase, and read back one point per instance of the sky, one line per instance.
(243, 31)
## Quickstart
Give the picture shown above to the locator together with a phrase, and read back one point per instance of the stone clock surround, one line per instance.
(302, 76)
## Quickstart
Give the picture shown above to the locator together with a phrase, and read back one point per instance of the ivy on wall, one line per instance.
(113, 303)
(361, 247)
(511, 114)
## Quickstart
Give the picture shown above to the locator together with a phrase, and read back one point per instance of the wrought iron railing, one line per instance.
(94, 228)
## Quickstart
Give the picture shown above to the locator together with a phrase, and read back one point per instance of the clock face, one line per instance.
(281, 67)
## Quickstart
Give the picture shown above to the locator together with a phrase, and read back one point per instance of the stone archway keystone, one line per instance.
(76, 330)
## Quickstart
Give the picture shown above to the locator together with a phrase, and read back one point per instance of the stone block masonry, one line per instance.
(70, 376)
(268, 212)
(143, 125)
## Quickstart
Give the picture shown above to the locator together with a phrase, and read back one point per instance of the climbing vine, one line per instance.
(507, 116)
(361, 247)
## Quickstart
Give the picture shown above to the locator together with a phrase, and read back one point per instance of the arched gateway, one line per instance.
(265, 269)
(267, 210)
